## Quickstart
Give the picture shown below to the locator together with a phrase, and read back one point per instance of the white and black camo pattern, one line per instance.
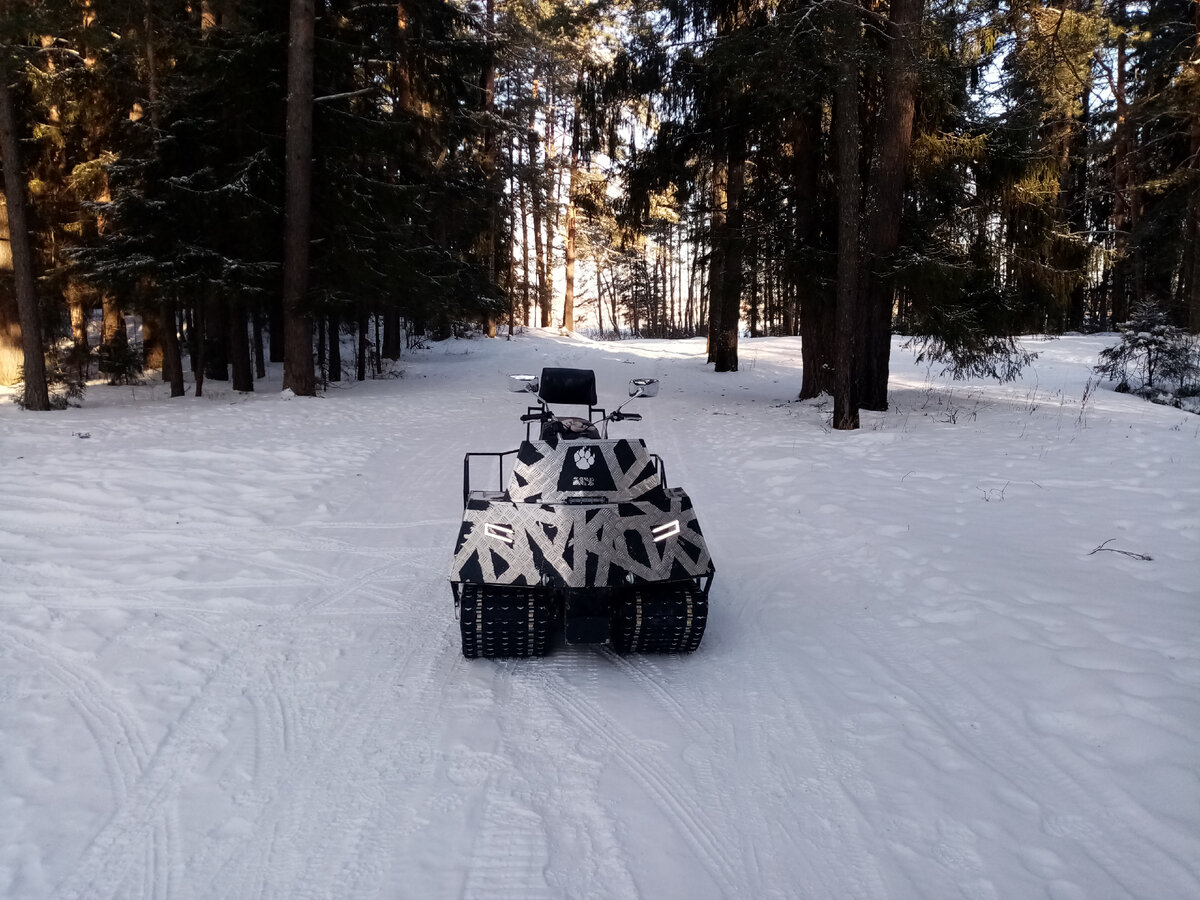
(581, 514)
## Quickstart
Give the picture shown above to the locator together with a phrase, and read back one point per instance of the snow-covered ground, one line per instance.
(229, 665)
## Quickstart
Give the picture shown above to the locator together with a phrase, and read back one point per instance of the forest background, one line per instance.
(256, 180)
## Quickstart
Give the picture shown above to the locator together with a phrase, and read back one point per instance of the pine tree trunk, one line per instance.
(725, 336)
(391, 331)
(521, 185)
(1074, 202)
(216, 337)
(847, 142)
(569, 257)
(37, 393)
(275, 329)
(535, 190)
(152, 339)
(79, 303)
(260, 362)
(716, 257)
(510, 285)
(492, 190)
(172, 355)
(1122, 189)
(298, 374)
(196, 332)
(885, 202)
(241, 370)
(1191, 253)
(334, 327)
(363, 342)
(569, 260)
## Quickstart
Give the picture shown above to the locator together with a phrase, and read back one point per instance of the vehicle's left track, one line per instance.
(501, 621)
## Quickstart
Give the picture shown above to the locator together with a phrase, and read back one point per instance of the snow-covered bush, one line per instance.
(1154, 359)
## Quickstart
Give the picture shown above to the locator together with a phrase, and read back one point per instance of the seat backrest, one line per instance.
(572, 386)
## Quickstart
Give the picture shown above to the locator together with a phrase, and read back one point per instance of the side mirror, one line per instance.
(643, 387)
(523, 384)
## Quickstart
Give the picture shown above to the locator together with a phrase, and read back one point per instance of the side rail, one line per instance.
(499, 457)
(662, 469)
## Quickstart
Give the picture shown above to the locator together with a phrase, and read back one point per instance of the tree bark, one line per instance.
(535, 192)
(240, 364)
(1191, 245)
(298, 373)
(216, 336)
(37, 392)
(569, 260)
(716, 256)
(260, 362)
(1122, 188)
(334, 324)
(725, 335)
(524, 240)
(363, 342)
(847, 142)
(885, 201)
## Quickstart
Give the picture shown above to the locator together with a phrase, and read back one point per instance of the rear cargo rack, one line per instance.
(499, 457)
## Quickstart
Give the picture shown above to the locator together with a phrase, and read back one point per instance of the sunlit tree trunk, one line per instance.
(539, 252)
(1122, 190)
(569, 259)
(716, 256)
(724, 339)
(37, 393)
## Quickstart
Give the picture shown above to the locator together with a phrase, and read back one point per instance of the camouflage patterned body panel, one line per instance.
(581, 514)
(570, 471)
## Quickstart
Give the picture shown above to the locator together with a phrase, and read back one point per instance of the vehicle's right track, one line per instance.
(663, 618)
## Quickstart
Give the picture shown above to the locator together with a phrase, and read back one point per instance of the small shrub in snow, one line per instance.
(121, 362)
(1154, 359)
(65, 382)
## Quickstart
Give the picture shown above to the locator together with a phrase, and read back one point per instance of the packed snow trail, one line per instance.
(229, 664)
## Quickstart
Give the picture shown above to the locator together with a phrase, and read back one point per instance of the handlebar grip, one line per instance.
(532, 417)
(632, 417)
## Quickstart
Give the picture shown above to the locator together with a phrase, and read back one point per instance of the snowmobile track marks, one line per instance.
(660, 784)
(498, 621)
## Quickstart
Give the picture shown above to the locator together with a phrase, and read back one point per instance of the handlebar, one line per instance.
(572, 426)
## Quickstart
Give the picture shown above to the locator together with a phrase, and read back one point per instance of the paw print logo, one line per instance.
(584, 457)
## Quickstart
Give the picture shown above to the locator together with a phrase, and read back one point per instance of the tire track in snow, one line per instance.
(325, 815)
(397, 744)
(509, 860)
(103, 866)
(579, 846)
(313, 806)
(1131, 864)
(671, 794)
(115, 728)
(819, 820)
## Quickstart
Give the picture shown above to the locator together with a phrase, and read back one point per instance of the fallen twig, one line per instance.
(1145, 556)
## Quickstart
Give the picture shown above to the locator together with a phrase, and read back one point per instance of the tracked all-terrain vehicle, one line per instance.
(586, 541)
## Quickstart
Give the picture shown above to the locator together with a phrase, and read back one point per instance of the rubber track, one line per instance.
(498, 621)
(660, 619)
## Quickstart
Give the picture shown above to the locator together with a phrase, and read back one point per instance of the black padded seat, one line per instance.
(574, 386)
